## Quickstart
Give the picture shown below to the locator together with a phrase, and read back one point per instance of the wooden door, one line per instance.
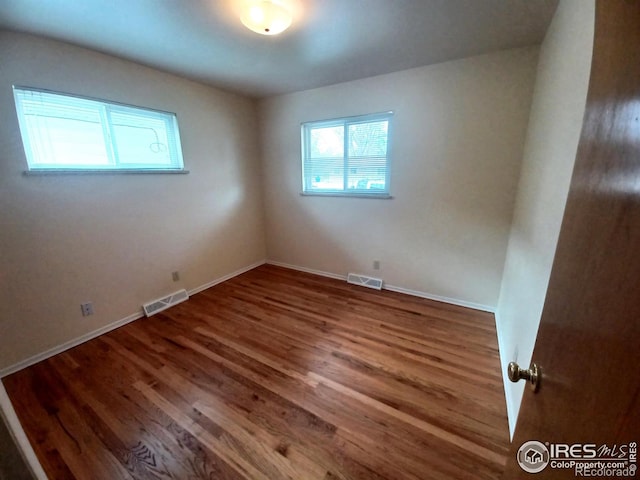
(588, 344)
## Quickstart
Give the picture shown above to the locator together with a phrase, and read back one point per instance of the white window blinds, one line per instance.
(347, 156)
(65, 132)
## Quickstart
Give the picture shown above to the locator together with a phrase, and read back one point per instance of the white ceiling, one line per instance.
(330, 41)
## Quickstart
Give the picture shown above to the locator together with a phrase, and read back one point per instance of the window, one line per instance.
(68, 133)
(347, 156)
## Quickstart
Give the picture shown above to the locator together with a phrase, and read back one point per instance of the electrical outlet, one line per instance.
(175, 275)
(87, 309)
(376, 264)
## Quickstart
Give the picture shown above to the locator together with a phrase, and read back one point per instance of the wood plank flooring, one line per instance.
(275, 374)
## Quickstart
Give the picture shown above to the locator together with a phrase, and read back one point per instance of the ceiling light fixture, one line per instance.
(266, 17)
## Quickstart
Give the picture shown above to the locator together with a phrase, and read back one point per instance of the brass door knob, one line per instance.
(532, 375)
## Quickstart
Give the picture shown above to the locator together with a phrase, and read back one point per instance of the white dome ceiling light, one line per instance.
(266, 17)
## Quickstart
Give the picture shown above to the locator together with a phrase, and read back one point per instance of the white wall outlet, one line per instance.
(376, 264)
(87, 309)
(175, 276)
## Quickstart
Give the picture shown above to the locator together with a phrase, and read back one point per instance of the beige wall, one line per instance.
(550, 150)
(115, 239)
(459, 130)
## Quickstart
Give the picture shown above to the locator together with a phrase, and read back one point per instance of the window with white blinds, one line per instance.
(65, 133)
(347, 156)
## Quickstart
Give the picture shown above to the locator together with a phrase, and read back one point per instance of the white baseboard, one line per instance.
(392, 288)
(225, 277)
(512, 415)
(20, 438)
(439, 298)
(70, 344)
(307, 270)
(139, 314)
(111, 326)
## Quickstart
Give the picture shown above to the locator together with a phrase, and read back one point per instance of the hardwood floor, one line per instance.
(275, 374)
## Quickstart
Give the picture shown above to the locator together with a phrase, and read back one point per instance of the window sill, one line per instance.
(76, 171)
(384, 196)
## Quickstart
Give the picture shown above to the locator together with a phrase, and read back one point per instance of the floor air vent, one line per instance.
(365, 281)
(161, 304)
